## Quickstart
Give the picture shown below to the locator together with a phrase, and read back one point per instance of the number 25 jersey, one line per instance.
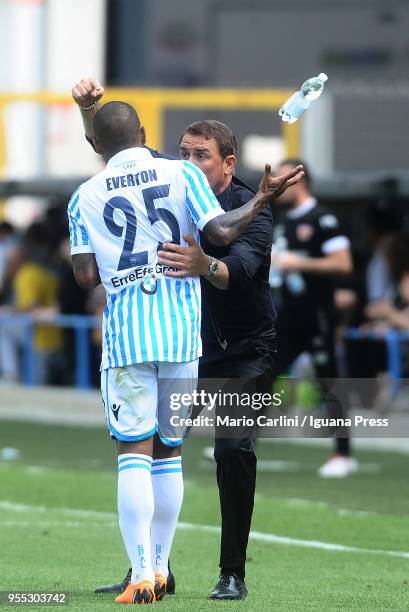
(123, 215)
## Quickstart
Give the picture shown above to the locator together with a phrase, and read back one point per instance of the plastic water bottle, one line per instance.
(300, 101)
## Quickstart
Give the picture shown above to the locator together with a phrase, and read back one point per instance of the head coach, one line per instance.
(237, 330)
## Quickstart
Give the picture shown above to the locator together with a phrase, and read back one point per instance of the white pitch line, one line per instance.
(295, 501)
(256, 536)
(275, 539)
(58, 524)
(93, 514)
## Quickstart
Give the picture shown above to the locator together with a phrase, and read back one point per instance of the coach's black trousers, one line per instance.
(234, 450)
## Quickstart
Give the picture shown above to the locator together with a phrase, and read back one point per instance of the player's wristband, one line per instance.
(88, 108)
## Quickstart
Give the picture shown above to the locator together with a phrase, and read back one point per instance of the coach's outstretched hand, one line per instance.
(271, 187)
(87, 92)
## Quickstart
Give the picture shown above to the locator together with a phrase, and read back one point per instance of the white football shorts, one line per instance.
(138, 398)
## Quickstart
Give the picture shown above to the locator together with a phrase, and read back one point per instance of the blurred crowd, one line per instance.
(36, 278)
(377, 298)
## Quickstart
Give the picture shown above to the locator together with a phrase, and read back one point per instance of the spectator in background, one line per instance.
(8, 241)
(381, 220)
(35, 289)
(55, 223)
(366, 358)
(72, 300)
(388, 313)
(310, 252)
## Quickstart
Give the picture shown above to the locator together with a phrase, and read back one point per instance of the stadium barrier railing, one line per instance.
(83, 324)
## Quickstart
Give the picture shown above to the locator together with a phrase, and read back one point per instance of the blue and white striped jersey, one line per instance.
(122, 215)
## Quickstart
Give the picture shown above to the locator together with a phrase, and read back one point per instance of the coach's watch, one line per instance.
(213, 267)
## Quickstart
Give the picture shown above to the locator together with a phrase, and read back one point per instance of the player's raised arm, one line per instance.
(224, 229)
(87, 93)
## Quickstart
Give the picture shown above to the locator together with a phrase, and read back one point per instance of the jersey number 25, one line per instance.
(128, 258)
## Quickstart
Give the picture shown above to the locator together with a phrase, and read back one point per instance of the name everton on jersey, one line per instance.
(131, 180)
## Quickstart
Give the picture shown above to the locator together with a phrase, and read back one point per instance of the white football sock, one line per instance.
(135, 508)
(167, 483)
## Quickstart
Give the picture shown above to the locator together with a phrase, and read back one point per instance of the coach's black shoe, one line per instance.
(171, 582)
(117, 588)
(229, 587)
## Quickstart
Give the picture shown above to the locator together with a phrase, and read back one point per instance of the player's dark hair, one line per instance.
(294, 162)
(116, 127)
(223, 135)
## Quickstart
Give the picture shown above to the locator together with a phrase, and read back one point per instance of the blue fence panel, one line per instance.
(81, 325)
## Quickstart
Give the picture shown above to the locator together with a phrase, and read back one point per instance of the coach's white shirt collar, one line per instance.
(135, 153)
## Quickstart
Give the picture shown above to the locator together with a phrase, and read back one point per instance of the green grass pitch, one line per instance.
(58, 526)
